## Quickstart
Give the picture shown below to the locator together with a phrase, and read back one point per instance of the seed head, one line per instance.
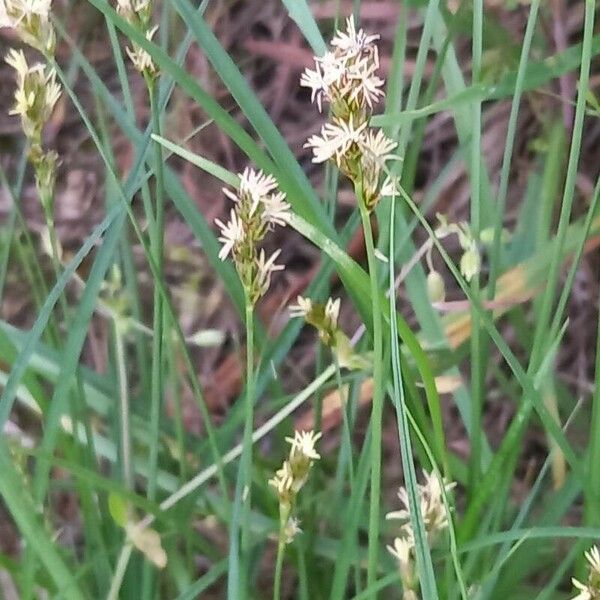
(36, 95)
(258, 207)
(31, 19)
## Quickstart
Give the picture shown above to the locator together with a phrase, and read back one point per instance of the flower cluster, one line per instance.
(31, 20)
(258, 207)
(324, 318)
(435, 519)
(346, 77)
(591, 589)
(470, 261)
(138, 13)
(292, 476)
(36, 96)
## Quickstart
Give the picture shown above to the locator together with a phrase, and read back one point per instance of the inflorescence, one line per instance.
(258, 207)
(435, 519)
(291, 477)
(346, 77)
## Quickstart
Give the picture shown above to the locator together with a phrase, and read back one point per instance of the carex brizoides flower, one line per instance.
(346, 77)
(258, 207)
(435, 519)
(138, 13)
(31, 20)
(36, 95)
(293, 474)
(590, 590)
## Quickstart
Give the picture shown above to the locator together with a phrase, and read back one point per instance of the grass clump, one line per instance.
(144, 429)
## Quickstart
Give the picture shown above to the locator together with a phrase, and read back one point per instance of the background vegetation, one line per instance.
(494, 107)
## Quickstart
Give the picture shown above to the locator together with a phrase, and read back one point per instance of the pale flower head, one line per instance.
(591, 589)
(352, 42)
(585, 592)
(431, 504)
(346, 76)
(291, 530)
(276, 211)
(377, 147)
(303, 443)
(335, 141)
(283, 479)
(332, 311)
(36, 95)
(265, 267)
(140, 58)
(256, 183)
(232, 233)
(31, 19)
(302, 307)
(401, 550)
(593, 558)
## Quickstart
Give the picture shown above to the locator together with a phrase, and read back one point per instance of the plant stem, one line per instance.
(284, 514)
(236, 580)
(123, 403)
(377, 409)
(156, 247)
(246, 460)
(157, 241)
(120, 569)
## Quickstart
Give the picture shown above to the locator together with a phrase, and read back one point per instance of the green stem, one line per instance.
(377, 409)
(284, 514)
(123, 403)
(117, 580)
(248, 426)
(236, 579)
(157, 242)
(157, 247)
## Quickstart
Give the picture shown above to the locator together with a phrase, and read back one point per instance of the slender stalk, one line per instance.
(156, 247)
(246, 461)
(236, 580)
(283, 519)
(377, 409)
(478, 364)
(123, 403)
(117, 580)
(346, 422)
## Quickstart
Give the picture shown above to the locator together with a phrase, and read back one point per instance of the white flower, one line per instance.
(302, 308)
(265, 268)
(129, 7)
(390, 187)
(36, 95)
(584, 591)
(377, 146)
(329, 70)
(335, 140)
(433, 509)
(365, 85)
(256, 183)
(332, 311)
(275, 209)
(593, 558)
(140, 58)
(283, 479)
(303, 443)
(232, 232)
(291, 530)
(352, 42)
(401, 550)
(13, 12)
